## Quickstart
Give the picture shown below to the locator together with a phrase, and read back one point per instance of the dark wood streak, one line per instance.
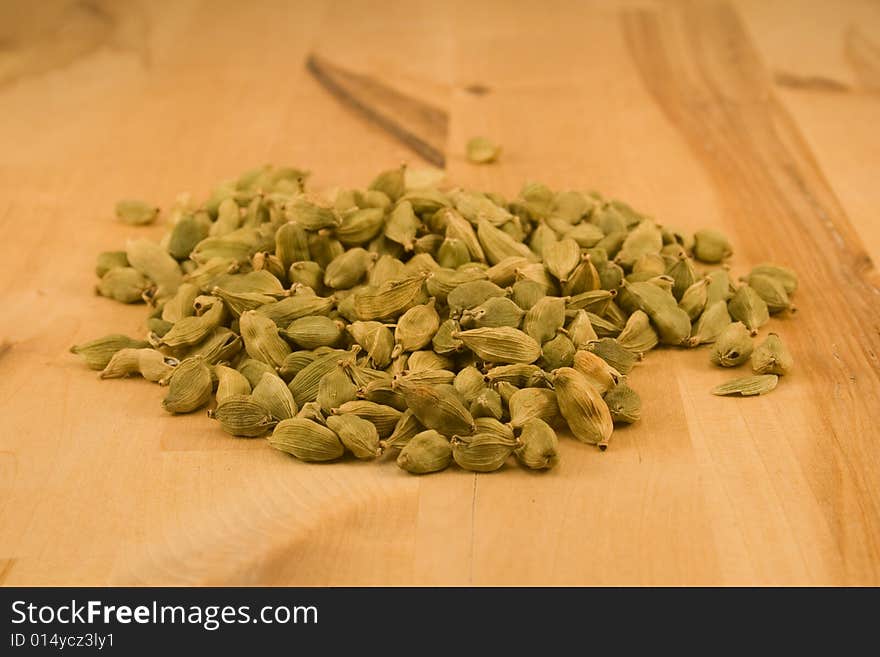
(414, 123)
(698, 63)
(5, 568)
(809, 82)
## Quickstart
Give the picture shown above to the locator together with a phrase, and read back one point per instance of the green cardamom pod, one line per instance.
(425, 452)
(306, 440)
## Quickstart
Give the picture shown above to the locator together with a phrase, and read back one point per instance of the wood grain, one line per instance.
(678, 107)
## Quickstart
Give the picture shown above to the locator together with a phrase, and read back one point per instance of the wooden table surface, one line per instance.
(759, 118)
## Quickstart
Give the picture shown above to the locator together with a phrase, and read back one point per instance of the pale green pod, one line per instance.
(383, 417)
(710, 325)
(230, 382)
(348, 269)
(306, 440)
(181, 304)
(228, 218)
(500, 345)
(294, 363)
(453, 253)
(557, 352)
(588, 235)
(416, 327)
(360, 226)
(601, 375)
(643, 239)
(108, 260)
(402, 225)
(521, 375)
(443, 343)
(638, 336)
(392, 182)
(336, 388)
(98, 353)
(261, 339)
(240, 302)
(538, 445)
(386, 268)
(582, 407)
(406, 428)
(253, 370)
(618, 357)
(300, 305)
(136, 213)
(748, 386)
(158, 327)
(324, 248)
(436, 407)
(536, 272)
(772, 357)
(420, 361)
(187, 232)
(495, 311)
(371, 198)
(358, 435)
(441, 282)
(720, 286)
(425, 452)
(624, 404)
(711, 246)
(683, 275)
(733, 346)
(459, 228)
(545, 318)
(124, 284)
(531, 403)
(543, 237)
(305, 384)
(475, 206)
(481, 150)
(240, 415)
(693, 301)
(376, 339)
(498, 245)
(314, 332)
(311, 216)
(772, 291)
(783, 275)
(274, 395)
(392, 299)
(594, 301)
(504, 272)
(481, 452)
(472, 294)
(220, 345)
(583, 278)
(307, 273)
(469, 382)
(486, 403)
(651, 264)
(426, 200)
(580, 330)
(192, 330)
(189, 386)
(292, 244)
(748, 307)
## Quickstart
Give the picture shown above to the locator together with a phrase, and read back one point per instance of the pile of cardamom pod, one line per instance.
(438, 325)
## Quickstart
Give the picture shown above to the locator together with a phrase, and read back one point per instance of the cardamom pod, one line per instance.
(538, 445)
(306, 440)
(427, 451)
